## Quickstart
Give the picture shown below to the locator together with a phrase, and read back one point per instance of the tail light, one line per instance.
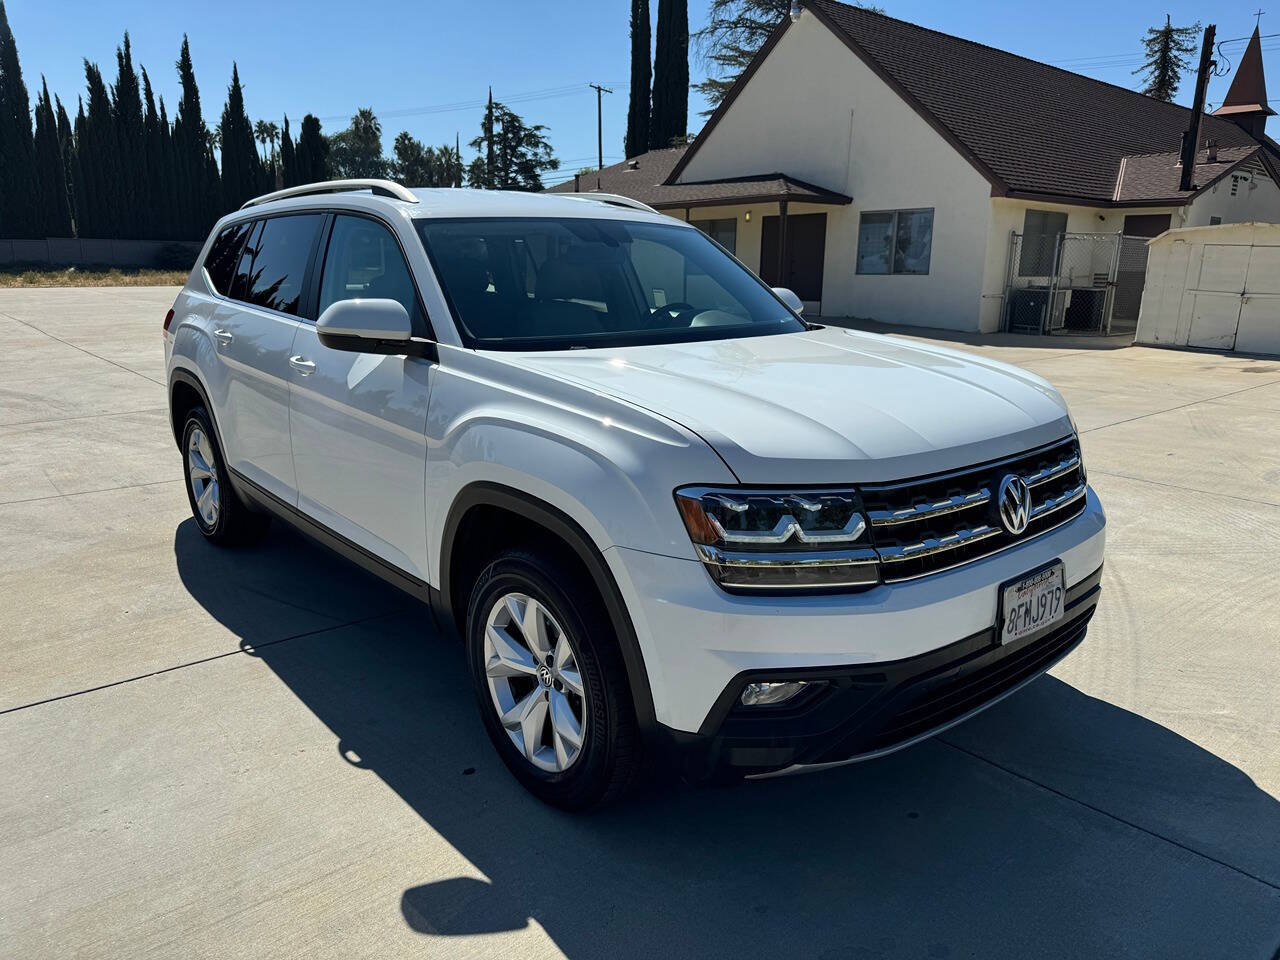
(168, 319)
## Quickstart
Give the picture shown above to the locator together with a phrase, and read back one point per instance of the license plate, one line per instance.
(1032, 602)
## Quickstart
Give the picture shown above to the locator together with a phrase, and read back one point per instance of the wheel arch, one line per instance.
(186, 391)
(545, 520)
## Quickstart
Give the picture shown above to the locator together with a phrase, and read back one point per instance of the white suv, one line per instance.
(669, 518)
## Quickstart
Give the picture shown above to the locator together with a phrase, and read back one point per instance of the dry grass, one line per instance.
(90, 277)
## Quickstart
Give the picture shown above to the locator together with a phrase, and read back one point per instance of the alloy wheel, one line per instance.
(203, 474)
(534, 682)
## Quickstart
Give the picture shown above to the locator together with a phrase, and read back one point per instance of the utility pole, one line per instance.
(599, 122)
(1191, 138)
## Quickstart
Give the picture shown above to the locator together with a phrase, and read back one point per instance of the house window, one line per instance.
(895, 241)
(723, 232)
(1040, 232)
(1214, 221)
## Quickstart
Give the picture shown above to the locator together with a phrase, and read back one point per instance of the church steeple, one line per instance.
(1246, 100)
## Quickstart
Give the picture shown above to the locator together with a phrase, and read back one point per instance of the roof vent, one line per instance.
(1212, 147)
(633, 164)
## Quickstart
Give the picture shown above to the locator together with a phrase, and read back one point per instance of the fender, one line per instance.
(485, 493)
(182, 375)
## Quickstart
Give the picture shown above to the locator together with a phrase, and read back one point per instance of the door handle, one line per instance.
(222, 336)
(304, 366)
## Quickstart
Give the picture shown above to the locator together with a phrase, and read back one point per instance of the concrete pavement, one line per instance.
(269, 753)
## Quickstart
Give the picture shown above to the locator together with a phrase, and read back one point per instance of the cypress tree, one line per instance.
(133, 204)
(242, 175)
(636, 140)
(312, 152)
(98, 161)
(156, 188)
(80, 211)
(18, 217)
(51, 180)
(172, 226)
(195, 174)
(288, 161)
(669, 119)
(67, 144)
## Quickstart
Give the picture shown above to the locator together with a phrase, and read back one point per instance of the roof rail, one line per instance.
(614, 199)
(382, 188)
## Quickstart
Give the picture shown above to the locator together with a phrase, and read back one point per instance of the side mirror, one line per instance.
(790, 299)
(370, 326)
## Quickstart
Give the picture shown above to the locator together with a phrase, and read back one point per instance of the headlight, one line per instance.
(766, 540)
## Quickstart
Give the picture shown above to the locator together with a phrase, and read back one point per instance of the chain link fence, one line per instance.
(1072, 282)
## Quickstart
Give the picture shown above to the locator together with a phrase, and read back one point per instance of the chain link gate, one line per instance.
(1072, 282)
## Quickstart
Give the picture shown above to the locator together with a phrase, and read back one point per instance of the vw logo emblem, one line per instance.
(544, 676)
(1014, 503)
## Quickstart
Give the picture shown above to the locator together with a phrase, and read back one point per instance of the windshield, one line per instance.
(553, 284)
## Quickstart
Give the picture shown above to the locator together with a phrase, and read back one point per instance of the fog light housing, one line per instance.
(771, 693)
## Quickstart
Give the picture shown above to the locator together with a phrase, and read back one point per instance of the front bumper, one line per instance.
(866, 710)
(696, 639)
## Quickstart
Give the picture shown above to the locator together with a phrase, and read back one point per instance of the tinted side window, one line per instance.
(364, 260)
(221, 262)
(280, 253)
(244, 266)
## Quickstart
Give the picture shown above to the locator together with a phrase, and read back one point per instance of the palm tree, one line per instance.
(260, 134)
(273, 134)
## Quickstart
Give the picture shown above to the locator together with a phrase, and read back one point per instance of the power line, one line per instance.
(548, 93)
(599, 121)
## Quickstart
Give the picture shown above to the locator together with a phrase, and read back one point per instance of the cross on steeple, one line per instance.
(1259, 14)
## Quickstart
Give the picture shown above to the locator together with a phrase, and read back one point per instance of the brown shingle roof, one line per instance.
(1030, 127)
(1155, 176)
(643, 178)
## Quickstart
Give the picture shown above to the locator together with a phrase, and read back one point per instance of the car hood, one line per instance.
(829, 405)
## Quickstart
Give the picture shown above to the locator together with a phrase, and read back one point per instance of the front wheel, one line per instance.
(550, 681)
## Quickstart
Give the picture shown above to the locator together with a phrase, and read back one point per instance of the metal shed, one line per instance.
(1216, 286)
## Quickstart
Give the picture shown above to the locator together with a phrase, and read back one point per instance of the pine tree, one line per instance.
(312, 152)
(288, 161)
(67, 144)
(735, 32)
(636, 140)
(18, 217)
(1168, 56)
(51, 180)
(242, 176)
(133, 206)
(520, 152)
(669, 118)
(172, 227)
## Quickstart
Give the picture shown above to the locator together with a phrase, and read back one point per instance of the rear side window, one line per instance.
(221, 262)
(274, 264)
(364, 260)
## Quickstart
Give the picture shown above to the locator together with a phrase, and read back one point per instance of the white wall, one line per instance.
(1258, 201)
(833, 122)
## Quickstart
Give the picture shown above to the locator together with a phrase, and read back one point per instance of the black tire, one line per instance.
(609, 763)
(235, 524)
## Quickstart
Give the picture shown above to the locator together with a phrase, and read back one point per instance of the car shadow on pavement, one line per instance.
(1055, 824)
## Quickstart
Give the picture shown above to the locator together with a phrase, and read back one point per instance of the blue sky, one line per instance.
(425, 66)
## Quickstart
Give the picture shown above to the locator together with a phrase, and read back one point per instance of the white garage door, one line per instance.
(1259, 327)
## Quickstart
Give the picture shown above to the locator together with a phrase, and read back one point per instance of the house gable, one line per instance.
(809, 105)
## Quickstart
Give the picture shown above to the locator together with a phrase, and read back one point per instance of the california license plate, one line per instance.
(1032, 602)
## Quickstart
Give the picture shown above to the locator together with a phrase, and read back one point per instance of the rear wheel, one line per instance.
(550, 681)
(218, 512)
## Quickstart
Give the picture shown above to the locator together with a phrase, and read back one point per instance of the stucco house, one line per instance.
(882, 170)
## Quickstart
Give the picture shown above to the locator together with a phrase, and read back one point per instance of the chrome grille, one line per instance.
(931, 523)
